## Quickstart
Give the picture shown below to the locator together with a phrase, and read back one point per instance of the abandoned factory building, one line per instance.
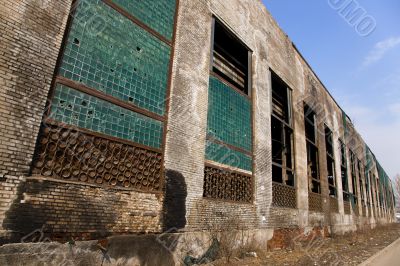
(126, 117)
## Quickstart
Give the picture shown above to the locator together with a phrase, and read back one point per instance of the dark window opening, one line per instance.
(281, 95)
(360, 183)
(312, 150)
(281, 133)
(368, 187)
(330, 161)
(354, 176)
(230, 58)
(343, 171)
(310, 124)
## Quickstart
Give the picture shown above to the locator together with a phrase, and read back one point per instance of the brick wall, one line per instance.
(31, 34)
(31, 40)
(65, 209)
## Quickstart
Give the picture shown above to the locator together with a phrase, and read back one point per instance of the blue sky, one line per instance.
(361, 72)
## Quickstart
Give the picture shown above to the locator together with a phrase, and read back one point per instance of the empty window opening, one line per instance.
(330, 161)
(230, 58)
(368, 188)
(281, 133)
(360, 182)
(354, 176)
(343, 171)
(312, 150)
(310, 124)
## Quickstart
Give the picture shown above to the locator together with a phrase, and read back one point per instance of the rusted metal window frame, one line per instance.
(248, 95)
(285, 125)
(57, 79)
(248, 87)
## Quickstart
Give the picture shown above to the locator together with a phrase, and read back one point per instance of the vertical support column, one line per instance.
(187, 114)
(262, 138)
(300, 158)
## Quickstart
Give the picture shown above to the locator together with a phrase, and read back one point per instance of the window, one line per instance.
(377, 194)
(281, 133)
(230, 58)
(330, 161)
(360, 177)
(368, 188)
(343, 171)
(353, 166)
(312, 150)
(229, 142)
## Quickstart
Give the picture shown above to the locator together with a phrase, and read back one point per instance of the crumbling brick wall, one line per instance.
(32, 32)
(66, 210)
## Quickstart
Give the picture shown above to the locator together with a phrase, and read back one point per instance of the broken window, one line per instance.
(354, 176)
(230, 58)
(330, 161)
(343, 171)
(368, 188)
(360, 178)
(281, 133)
(312, 150)
(377, 194)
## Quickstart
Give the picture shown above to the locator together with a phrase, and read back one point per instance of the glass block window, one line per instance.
(108, 52)
(229, 125)
(222, 154)
(157, 14)
(82, 110)
(229, 115)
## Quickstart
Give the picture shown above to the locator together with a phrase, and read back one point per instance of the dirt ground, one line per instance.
(351, 249)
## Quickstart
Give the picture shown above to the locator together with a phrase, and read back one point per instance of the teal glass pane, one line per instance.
(82, 110)
(157, 14)
(108, 52)
(224, 155)
(229, 115)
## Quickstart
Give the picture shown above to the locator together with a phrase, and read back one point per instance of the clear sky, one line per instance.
(361, 72)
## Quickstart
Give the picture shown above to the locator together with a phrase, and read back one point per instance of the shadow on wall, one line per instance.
(76, 215)
(174, 208)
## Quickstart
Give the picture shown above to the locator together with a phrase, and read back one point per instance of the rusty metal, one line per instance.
(68, 154)
(315, 202)
(283, 196)
(227, 185)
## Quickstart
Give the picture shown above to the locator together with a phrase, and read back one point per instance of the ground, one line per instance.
(351, 249)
